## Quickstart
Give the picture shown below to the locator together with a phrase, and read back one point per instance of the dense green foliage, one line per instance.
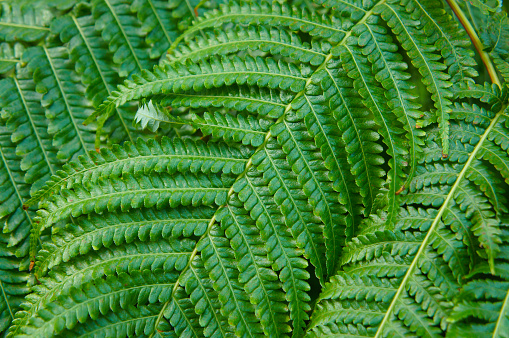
(301, 168)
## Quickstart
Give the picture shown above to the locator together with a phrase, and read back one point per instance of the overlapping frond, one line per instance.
(404, 19)
(217, 72)
(404, 281)
(312, 159)
(145, 158)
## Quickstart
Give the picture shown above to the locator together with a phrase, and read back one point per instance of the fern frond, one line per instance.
(25, 118)
(483, 305)
(129, 192)
(389, 70)
(372, 277)
(79, 276)
(23, 23)
(279, 244)
(102, 296)
(114, 19)
(355, 9)
(145, 158)
(91, 58)
(103, 232)
(286, 187)
(357, 128)
(304, 159)
(239, 128)
(16, 224)
(205, 299)
(392, 134)
(496, 38)
(324, 129)
(264, 102)
(260, 281)
(219, 260)
(275, 41)
(424, 57)
(130, 322)
(320, 164)
(231, 128)
(271, 13)
(63, 100)
(156, 17)
(206, 75)
(425, 252)
(487, 93)
(453, 42)
(10, 56)
(181, 316)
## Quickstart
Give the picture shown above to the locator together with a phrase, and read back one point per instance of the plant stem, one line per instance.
(476, 41)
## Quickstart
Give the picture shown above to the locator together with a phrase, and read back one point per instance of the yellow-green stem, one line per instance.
(476, 41)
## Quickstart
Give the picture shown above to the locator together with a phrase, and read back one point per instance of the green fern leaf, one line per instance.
(260, 282)
(10, 56)
(206, 75)
(157, 23)
(115, 22)
(90, 56)
(145, 158)
(404, 25)
(419, 260)
(272, 13)
(26, 120)
(276, 41)
(357, 128)
(63, 100)
(23, 23)
(16, 224)
(340, 145)
(496, 38)
(483, 303)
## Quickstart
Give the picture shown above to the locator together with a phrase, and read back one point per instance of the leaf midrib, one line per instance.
(18, 25)
(159, 21)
